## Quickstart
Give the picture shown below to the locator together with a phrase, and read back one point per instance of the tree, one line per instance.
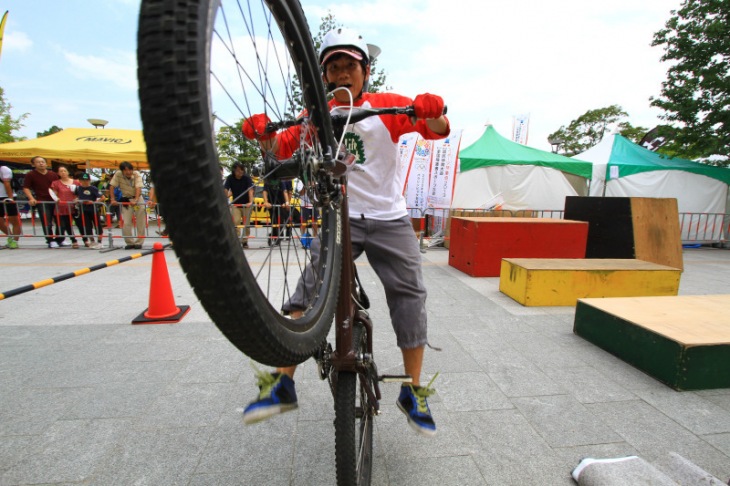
(234, 147)
(588, 129)
(8, 124)
(50, 131)
(696, 94)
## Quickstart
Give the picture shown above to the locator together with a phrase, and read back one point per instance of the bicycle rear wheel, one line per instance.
(203, 67)
(353, 424)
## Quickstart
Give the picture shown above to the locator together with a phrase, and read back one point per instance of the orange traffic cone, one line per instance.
(162, 309)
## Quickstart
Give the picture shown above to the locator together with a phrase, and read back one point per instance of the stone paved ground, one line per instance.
(86, 398)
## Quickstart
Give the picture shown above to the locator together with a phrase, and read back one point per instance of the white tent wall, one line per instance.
(521, 187)
(702, 199)
(708, 198)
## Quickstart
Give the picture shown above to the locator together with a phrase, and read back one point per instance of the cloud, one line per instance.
(117, 67)
(17, 42)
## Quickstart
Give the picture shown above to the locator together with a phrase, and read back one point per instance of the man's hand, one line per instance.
(428, 106)
(253, 128)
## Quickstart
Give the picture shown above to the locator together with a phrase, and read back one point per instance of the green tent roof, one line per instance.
(492, 149)
(633, 159)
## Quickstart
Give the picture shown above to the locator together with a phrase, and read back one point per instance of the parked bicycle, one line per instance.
(201, 65)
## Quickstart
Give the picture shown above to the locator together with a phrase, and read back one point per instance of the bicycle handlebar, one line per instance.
(339, 120)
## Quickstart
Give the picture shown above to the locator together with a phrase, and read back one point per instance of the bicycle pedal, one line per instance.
(395, 378)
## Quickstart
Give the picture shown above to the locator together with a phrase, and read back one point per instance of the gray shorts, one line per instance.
(392, 250)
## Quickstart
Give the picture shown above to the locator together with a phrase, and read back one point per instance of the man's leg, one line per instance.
(127, 213)
(141, 220)
(413, 362)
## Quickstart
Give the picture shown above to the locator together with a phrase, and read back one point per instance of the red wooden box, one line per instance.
(479, 244)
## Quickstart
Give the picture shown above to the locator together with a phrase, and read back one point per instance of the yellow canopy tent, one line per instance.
(104, 148)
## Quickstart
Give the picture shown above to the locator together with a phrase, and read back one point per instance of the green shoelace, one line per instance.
(422, 393)
(265, 381)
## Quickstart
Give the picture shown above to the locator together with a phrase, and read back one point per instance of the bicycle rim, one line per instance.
(353, 425)
(203, 67)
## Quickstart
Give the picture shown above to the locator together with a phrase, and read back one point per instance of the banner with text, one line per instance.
(431, 173)
(520, 128)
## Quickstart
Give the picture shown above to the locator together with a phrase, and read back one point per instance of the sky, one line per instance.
(65, 61)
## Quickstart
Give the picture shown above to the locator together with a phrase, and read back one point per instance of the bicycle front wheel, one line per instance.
(353, 424)
(204, 66)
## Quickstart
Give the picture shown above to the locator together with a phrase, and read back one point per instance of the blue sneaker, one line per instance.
(277, 395)
(306, 240)
(412, 402)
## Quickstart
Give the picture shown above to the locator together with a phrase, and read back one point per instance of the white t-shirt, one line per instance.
(5, 175)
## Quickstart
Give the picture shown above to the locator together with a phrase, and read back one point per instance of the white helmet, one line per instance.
(349, 42)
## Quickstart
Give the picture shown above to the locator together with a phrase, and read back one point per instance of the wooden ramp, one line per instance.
(682, 341)
(561, 282)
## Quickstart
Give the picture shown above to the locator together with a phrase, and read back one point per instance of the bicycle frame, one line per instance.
(349, 314)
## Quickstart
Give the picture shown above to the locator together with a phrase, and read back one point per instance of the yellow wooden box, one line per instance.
(561, 282)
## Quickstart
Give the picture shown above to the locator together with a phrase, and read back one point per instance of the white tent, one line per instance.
(624, 169)
(495, 168)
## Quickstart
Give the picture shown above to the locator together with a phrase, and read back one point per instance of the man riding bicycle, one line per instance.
(379, 221)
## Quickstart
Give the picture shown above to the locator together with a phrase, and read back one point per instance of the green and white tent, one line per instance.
(495, 169)
(622, 168)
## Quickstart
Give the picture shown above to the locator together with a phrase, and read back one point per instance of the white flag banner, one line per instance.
(419, 177)
(406, 146)
(443, 170)
(520, 128)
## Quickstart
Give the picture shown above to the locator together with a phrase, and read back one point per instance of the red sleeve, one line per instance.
(401, 124)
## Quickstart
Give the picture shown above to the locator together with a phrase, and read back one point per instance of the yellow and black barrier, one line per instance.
(77, 273)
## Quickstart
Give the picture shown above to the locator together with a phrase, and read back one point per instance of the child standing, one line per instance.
(88, 217)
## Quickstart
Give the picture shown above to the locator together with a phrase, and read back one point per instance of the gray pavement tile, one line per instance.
(562, 421)
(524, 471)
(653, 434)
(417, 471)
(396, 438)
(314, 453)
(212, 368)
(159, 457)
(618, 370)
(187, 405)
(504, 436)
(470, 391)
(451, 358)
(720, 441)
(113, 400)
(544, 352)
(15, 448)
(69, 451)
(31, 411)
(520, 378)
(588, 385)
(254, 476)
(720, 397)
(688, 409)
(263, 446)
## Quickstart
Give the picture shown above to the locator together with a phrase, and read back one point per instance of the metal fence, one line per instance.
(430, 224)
(433, 223)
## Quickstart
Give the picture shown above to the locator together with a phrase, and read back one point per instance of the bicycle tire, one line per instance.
(177, 74)
(354, 422)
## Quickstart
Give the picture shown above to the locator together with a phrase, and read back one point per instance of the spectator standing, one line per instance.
(239, 187)
(307, 214)
(65, 190)
(35, 186)
(133, 206)
(277, 194)
(89, 215)
(158, 210)
(9, 209)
